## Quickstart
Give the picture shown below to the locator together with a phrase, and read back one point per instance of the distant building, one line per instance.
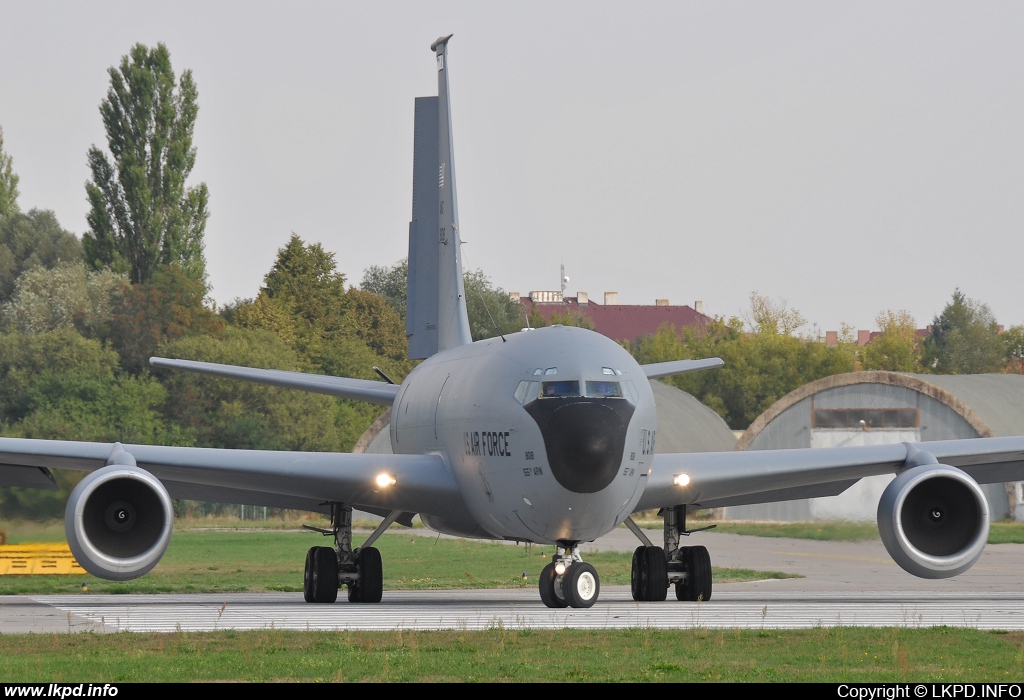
(878, 408)
(620, 322)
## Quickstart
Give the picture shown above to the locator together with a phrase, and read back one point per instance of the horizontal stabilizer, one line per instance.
(342, 387)
(667, 369)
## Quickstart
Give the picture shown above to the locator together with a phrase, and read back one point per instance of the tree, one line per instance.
(1013, 341)
(490, 310)
(242, 415)
(32, 240)
(142, 216)
(770, 317)
(8, 183)
(964, 339)
(68, 296)
(388, 282)
(895, 349)
(148, 316)
(304, 301)
(61, 386)
(760, 368)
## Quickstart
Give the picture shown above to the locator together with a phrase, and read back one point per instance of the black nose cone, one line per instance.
(584, 439)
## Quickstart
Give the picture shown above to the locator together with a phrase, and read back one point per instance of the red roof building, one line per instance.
(620, 322)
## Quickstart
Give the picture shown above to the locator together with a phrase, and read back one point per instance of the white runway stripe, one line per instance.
(521, 609)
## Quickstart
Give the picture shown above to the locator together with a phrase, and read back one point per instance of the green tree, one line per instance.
(242, 415)
(1013, 341)
(760, 368)
(68, 296)
(896, 348)
(148, 316)
(491, 311)
(572, 317)
(32, 240)
(772, 317)
(8, 182)
(142, 216)
(61, 386)
(964, 339)
(489, 308)
(388, 282)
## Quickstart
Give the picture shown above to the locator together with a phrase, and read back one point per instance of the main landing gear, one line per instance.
(568, 581)
(655, 568)
(329, 568)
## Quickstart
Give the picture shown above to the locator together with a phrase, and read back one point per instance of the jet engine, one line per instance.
(118, 522)
(933, 519)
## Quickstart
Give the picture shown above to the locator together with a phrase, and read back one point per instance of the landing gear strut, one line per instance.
(330, 568)
(656, 568)
(568, 581)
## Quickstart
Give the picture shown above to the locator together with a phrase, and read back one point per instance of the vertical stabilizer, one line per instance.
(436, 317)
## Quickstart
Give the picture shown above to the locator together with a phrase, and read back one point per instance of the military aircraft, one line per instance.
(543, 436)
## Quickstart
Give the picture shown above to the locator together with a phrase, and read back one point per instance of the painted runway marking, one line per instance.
(520, 609)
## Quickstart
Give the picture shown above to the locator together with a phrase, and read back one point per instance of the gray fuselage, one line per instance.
(549, 433)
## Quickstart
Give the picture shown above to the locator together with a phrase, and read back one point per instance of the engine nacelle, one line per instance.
(118, 522)
(934, 520)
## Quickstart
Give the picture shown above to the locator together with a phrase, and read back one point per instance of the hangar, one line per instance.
(870, 408)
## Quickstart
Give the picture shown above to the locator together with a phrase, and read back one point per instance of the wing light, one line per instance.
(385, 480)
(682, 480)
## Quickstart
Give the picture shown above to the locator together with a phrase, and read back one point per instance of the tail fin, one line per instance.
(436, 317)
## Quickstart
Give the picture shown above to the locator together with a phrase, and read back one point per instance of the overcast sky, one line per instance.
(845, 157)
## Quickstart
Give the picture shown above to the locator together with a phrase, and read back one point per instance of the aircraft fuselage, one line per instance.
(549, 433)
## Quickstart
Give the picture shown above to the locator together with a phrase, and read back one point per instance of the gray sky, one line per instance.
(845, 157)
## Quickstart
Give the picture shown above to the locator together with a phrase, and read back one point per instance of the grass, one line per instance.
(840, 654)
(213, 561)
(1002, 532)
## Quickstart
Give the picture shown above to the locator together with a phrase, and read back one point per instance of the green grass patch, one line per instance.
(824, 655)
(1003, 532)
(214, 561)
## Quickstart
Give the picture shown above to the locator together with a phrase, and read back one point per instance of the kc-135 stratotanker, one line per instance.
(543, 436)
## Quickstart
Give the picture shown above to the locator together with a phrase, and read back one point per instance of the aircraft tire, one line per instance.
(581, 585)
(307, 576)
(697, 563)
(370, 587)
(653, 574)
(635, 575)
(548, 590)
(325, 575)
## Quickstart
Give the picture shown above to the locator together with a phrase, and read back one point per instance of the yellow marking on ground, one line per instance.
(50, 558)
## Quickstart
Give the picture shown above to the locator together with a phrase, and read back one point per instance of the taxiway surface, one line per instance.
(853, 584)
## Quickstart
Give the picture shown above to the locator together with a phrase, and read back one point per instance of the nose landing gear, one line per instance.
(568, 581)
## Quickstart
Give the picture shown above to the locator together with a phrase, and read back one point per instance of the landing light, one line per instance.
(384, 480)
(560, 568)
(682, 480)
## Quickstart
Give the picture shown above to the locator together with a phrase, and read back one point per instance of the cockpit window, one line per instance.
(559, 389)
(551, 370)
(604, 389)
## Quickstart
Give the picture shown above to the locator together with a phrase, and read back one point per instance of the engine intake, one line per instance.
(118, 522)
(934, 520)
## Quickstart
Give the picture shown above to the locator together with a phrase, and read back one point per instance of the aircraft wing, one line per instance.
(719, 479)
(342, 387)
(305, 480)
(667, 369)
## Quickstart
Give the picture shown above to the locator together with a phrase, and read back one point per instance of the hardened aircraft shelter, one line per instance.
(871, 408)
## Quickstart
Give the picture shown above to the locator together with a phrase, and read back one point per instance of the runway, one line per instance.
(493, 609)
(843, 584)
